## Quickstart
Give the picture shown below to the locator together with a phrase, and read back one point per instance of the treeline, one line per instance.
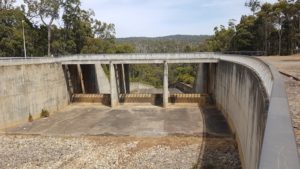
(80, 32)
(273, 29)
(166, 44)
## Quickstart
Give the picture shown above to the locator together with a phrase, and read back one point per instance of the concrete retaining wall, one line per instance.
(27, 89)
(240, 95)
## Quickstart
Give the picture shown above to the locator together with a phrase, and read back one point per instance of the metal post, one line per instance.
(24, 41)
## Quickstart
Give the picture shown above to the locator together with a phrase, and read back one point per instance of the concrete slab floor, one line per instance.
(128, 120)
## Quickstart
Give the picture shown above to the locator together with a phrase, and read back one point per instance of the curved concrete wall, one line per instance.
(27, 89)
(252, 96)
(240, 95)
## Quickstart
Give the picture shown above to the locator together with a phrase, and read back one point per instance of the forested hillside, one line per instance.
(172, 43)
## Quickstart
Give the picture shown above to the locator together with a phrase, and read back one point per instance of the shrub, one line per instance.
(45, 113)
(30, 118)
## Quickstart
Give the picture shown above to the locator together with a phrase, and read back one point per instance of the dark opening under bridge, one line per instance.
(249, 92)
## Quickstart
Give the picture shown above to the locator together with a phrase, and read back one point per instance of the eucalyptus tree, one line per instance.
(254, 5)
(47, 11)
(7, 4)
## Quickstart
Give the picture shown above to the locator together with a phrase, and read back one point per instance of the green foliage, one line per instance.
(11, 40)
(125, 48)
(81, 33)
(153, 74)
(148, 74)
(273, 28)
(222, 40)
(185, 73)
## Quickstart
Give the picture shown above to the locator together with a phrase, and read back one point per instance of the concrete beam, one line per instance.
(114, 96)
(166, 85)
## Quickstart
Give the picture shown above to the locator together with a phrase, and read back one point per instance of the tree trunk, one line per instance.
(266, 40)
(279, 42)
(49, 40)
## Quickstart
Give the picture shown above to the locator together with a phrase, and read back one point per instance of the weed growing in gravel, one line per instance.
(30, 118)
(45, 113)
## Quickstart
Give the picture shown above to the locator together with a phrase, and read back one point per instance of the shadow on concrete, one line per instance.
(218, 148)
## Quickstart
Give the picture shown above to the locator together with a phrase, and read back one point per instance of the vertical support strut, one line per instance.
(114, 96)
(201, 82)
(166, 85)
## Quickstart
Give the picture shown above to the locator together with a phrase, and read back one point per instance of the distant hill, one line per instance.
(172, 43)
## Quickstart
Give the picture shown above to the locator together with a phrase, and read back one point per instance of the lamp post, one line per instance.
(24, 41)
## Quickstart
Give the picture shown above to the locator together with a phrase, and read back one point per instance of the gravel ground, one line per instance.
(25, 151)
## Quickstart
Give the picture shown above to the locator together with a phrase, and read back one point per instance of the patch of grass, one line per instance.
(30, 118)
(45, 113)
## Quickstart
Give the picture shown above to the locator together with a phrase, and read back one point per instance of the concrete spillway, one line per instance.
(249, 92)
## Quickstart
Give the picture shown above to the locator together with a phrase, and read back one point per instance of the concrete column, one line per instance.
(81, 78)
(212, 78)
(120, 78)
(166, 85)
(127, 78)
(114, 96)
(201, 82)
(102, 79)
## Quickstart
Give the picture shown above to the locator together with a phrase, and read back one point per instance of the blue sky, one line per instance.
(153, 18)
(166, 17)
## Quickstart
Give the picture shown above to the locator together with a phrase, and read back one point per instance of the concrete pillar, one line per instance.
(81, 78)
(114, 96)
(127, 78)
(201, 81)
(120, 78)
(102, 79)
(166, 85)
(212, 78)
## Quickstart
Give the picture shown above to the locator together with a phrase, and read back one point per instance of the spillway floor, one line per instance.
(94, 136)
